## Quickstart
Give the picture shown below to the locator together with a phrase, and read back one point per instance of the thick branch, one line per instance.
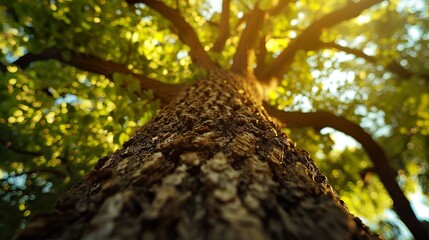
(9, 146)
(185, 32)
(375, 152)
(309, 37)
(164, 91)
(393, 66)
(248, 40)
(224, 31)
(261, 54)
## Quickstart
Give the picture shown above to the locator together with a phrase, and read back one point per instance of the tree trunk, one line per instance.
(210, 165)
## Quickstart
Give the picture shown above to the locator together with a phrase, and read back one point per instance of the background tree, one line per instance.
(78, 77)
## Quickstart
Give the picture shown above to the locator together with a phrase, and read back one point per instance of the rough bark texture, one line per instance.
(210, 165)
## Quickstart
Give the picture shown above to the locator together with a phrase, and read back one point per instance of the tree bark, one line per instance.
(210, 165)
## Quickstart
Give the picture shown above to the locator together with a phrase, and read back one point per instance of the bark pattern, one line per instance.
(209, 166)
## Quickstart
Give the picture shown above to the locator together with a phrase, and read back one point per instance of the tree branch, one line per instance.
(262, 51)
(248, 40)
(164, 91)
(185, 32)
(9, 146)
(382, 167)
(261, 54)
(306, 40)
(393, 66)
(224, 31)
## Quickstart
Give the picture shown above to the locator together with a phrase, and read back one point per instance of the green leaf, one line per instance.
(122, 138)
(85, 25)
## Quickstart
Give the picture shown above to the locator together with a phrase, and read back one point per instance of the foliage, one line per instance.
(57, 120)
